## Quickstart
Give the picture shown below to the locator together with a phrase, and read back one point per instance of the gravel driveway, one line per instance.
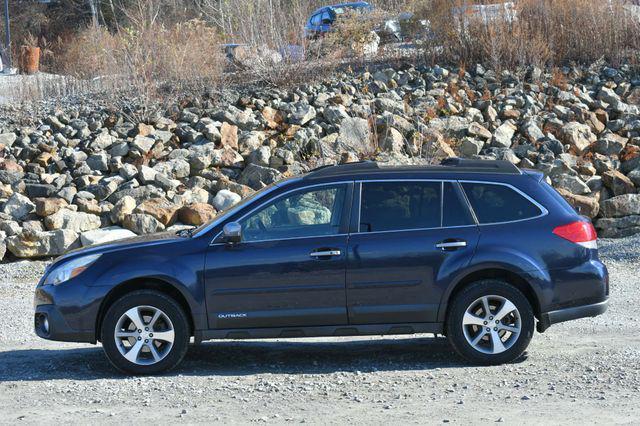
(582, 372)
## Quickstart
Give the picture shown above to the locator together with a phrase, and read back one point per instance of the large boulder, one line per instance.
(618, 227)
(18, 206)
(175, 169)
(476, 130)
(301, 113)
(7, 139)
(622, 205)
(105, 235)
(73, 221)
(390, 139)
(587, 206)
(196, 214)
(142, 224)
(503, 135)
(618, 183)
(122, 209)
(160, 208)
(571, 183)
(225, 199)
(470, 147)
(258, 177)
(48, 206)
(578, 136)
(354, 136)
(42, 244)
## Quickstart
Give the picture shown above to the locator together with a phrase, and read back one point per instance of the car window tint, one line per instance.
(498, 203)
(309, 213)
(455, 210)
(388, 206)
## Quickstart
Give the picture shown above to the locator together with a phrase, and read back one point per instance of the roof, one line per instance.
(350, 4)
(450, 165)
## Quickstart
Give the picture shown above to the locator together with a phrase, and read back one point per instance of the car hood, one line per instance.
(124, 244)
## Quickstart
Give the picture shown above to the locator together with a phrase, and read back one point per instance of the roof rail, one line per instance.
(500, 166)
(345, 168)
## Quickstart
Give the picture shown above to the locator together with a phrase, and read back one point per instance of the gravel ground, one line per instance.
(581, 372)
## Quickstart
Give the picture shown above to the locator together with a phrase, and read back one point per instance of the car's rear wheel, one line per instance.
(490, 322)
(145, 332)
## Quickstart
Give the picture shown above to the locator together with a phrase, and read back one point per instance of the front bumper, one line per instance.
(67, 312)
(568, 314)
(49, 324)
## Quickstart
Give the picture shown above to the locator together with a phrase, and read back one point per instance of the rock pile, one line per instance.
(84, 175)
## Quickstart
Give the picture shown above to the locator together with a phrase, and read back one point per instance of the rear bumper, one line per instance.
(568, 314)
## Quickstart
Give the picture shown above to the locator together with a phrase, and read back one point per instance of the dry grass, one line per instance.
(544, 32)
(155, 46)
(148, 55)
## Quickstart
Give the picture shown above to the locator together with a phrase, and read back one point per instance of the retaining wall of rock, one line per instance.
(87, 174)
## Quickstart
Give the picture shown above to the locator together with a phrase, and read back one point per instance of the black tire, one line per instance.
(455, 328)
(155, 299)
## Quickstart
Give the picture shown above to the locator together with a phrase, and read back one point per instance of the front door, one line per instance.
(289, 268)
(404, 248)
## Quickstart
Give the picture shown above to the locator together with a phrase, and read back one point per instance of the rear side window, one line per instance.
(455, 211)
(395, 206)
(498, 203)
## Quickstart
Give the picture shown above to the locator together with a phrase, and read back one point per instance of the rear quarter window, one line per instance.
(493, 203)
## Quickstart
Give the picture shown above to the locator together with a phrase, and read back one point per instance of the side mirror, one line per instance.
(326, 21)
(232, 232)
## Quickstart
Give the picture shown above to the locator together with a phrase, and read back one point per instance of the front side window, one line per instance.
(315, 19)
(498, 203)
(396, 206)
(306, 213)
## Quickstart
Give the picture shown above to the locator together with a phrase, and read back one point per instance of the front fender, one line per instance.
(178, 265)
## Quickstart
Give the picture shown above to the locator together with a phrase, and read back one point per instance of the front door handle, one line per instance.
(325, 253)
(451, 245)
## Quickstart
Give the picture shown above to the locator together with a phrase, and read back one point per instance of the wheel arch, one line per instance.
(511, 277)
(143, 283)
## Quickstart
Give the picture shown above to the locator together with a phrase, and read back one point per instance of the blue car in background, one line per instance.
(322, 19)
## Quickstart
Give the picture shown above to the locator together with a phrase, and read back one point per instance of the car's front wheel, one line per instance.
(145, 332)
(490, 322)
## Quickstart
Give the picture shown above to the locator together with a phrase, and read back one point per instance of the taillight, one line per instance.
(579, 232)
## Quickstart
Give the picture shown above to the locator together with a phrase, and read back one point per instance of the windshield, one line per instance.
(231, 210)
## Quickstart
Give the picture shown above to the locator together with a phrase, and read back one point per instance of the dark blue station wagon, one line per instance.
(479, 251)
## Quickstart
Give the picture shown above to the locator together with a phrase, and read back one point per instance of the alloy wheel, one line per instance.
(144, 335)
(491, 324)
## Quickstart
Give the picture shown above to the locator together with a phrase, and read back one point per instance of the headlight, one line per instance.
(70, 269)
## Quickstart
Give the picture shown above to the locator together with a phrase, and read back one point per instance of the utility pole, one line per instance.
(7, 33)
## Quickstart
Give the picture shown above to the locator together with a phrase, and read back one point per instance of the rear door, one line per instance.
(407, 238)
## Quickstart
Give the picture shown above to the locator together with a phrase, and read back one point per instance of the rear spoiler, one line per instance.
(535, 174)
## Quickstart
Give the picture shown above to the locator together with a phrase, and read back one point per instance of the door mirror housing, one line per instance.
(326, 21)
(232, 232)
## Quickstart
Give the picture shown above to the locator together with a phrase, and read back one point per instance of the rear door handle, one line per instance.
(451, 245)
(325, 253)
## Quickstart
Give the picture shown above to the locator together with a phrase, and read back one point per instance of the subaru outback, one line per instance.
(479, 251)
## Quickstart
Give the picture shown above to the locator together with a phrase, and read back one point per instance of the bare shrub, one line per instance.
(92, 53)
(148, 58)
(531, 32)
(352, 32)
